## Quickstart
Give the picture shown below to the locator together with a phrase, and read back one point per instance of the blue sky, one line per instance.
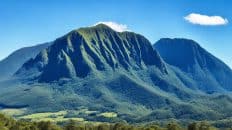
(28, 22)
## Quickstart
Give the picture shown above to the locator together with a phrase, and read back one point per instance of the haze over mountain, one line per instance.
(103, 70)
(14, 61)
(208, 72)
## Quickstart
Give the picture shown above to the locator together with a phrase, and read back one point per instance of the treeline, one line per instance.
(8, 123)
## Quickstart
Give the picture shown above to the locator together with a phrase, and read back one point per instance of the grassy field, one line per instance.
(13, 111)
(59, 116)
(50, 116)
(9, 123)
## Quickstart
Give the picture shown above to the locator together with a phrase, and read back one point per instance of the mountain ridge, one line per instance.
(96, 48)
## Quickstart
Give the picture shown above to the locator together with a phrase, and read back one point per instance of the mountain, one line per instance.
(14, 61)
(208, 72)
(89, 50)
(96, 70)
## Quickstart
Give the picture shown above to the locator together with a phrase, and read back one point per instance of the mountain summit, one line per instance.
(93, 49)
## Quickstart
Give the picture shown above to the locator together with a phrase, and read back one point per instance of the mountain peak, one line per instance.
(95, 49)
(101, 25)
(98, 27)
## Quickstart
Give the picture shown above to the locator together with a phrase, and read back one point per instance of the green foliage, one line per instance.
(47, 126)
(200, 126)
(72, 126)
(8, 123)
(173, 126)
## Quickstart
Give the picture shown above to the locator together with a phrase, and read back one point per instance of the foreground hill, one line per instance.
(207, 72)
(99, 74)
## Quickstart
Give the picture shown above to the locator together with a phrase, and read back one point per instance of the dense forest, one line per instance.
(8, 123)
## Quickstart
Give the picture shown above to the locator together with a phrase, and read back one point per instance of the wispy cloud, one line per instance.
(115, 26)
(206, 20)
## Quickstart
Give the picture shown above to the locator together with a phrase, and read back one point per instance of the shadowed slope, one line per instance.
(209, 73)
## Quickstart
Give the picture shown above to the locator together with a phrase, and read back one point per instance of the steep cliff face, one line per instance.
(209, 72)
(94, 49)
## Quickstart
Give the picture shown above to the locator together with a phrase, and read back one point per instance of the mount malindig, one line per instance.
(94, 49)
(100, 69)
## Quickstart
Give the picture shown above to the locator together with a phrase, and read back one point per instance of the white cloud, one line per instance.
(115, 26)
(206, 20)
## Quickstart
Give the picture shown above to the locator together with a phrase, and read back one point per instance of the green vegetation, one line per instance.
(49, 116)
(8, 123)
(79, 115)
